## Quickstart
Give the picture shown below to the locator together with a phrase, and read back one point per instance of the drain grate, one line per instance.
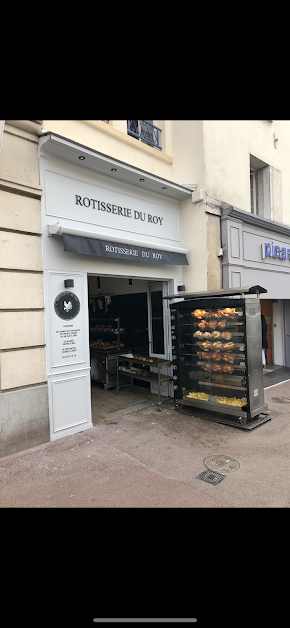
(128, 405)
(281, 399)
(211, 477)
(221, 464)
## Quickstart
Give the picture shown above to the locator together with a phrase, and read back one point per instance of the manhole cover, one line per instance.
(281, 399)
(211, 477)
(222, 464)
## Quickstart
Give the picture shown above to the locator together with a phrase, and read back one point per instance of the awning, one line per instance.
(132, 253)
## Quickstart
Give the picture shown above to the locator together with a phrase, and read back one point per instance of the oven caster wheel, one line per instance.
(243, 420)
(159, 403)
(178, 407)
(116, 391)
(106, 387)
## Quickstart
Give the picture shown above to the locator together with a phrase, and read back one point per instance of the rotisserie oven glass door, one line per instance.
(212, 355)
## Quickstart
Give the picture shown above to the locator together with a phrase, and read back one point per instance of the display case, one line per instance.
(217, 356)
(138, 367)
(105, 344)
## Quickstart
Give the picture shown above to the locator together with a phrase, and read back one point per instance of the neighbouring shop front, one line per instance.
(112, 249)
(257, 251)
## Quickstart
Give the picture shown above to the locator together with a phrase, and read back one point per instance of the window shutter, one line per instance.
(264, 178)
(267, 191)
(260, 192)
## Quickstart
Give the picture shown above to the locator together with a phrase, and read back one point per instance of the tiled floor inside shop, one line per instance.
(106, 404)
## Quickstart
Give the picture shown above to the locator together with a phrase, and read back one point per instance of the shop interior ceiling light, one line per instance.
(81, 157)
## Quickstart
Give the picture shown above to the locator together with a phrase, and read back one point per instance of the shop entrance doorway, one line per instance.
(266, 309)
(144, 330)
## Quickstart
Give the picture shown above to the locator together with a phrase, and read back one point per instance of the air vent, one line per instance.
(37, 121)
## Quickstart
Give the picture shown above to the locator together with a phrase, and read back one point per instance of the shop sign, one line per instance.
(271, 250)
(132, 211)
(103, 248)
(67, 333)
(67, 305)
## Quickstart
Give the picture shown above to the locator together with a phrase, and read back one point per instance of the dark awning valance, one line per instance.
(104, 248)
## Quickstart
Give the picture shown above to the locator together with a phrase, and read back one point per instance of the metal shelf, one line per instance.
(152, 378)
(158, 378)
(215, 384)
(235, 367)
(214, 405)
(109, 331)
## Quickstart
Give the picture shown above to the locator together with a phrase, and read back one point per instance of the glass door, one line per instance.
(159, 329)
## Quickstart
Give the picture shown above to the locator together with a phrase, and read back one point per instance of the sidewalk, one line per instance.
(146, 458)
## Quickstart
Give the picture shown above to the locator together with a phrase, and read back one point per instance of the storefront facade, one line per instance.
(101, 219)
(256, 251)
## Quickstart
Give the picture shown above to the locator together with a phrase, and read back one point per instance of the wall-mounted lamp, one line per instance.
(68, 283)
(130, 282)
(275, 140)
(99, 283)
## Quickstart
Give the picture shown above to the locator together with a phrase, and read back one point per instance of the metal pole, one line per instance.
(118, 328)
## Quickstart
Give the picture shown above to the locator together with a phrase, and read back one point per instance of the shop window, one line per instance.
(261, 188)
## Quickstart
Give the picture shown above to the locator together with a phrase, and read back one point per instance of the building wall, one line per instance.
(182, 161)
(228, 145)
(24, 419)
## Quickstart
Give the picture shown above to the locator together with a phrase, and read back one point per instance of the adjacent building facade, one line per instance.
(93, 208)
(24, 416)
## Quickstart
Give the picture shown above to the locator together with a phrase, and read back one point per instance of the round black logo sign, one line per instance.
(67, 305)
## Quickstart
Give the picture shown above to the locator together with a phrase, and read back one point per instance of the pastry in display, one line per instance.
(143, 358)
(207, 315)
(229, 346)
(227, 368)
(205, 346)
(226, 335)
(217, 346)
(105, 346)
(227, 357)
(216, 334)
(206, 367)
(207, 335)
(198, 334)
(222, 324)
(202, 325)
(198, 313)
(212, 324)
